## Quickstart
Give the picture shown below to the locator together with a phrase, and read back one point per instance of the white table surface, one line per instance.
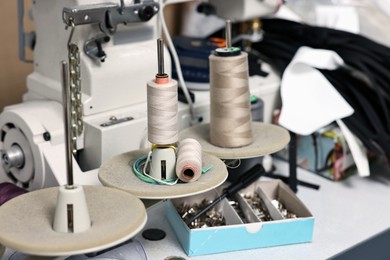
(346, 213)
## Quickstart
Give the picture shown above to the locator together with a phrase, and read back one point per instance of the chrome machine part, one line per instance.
(17, 158)
(75, 92)
(73, 80)
(14, 157)
(94, 48)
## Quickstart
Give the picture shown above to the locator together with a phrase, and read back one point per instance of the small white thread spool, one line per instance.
(189, 160)
(230, 110)
(162, 112)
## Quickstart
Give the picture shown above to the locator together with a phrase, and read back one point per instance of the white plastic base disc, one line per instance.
(267, 139)
(26, 222)
(118, 173)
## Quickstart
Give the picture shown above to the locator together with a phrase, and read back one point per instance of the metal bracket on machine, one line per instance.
(93, 47)
(108, 16)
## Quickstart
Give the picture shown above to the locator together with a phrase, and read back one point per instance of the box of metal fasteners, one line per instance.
(265, 214)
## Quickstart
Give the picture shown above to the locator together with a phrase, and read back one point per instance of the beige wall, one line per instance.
(12, 71)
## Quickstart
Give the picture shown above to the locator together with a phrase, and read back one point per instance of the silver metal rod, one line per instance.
(67, 122)
(160, 55)
(228, 33)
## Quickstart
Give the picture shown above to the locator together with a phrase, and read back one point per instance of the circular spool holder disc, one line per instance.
(118, 173)
(26, 222)
(267, 139)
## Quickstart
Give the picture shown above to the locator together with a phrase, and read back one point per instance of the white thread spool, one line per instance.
(189, 160)
(230, 110)
(162, 112)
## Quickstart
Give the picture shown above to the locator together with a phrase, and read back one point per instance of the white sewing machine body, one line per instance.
(108, 89)
(113, 99)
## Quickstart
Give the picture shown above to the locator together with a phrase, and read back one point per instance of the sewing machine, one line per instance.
(114, 62)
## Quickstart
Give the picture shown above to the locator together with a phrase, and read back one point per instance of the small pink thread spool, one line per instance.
(189, 160)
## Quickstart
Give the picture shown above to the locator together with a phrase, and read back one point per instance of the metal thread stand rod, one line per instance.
(228, 33)
(160, 56)
(68, 122)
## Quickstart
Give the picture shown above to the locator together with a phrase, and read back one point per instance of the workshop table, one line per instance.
(346, 213)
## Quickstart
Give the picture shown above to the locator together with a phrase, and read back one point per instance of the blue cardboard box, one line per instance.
(237, 235)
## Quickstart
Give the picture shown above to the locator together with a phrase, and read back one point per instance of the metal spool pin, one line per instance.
(71, 214)
(228, 34)
(228, 50)
(68, 123)
(160, 55)
(161, 76)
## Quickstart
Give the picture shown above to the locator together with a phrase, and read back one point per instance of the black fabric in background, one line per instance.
(368, 95)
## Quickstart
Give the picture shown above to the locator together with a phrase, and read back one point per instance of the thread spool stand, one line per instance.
(260, 138)
(27, 221)
(163, 134)
(118, 173)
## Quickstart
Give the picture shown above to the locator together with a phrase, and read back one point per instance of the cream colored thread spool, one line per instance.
(230, 110)
(162, 112)
(189, 160)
